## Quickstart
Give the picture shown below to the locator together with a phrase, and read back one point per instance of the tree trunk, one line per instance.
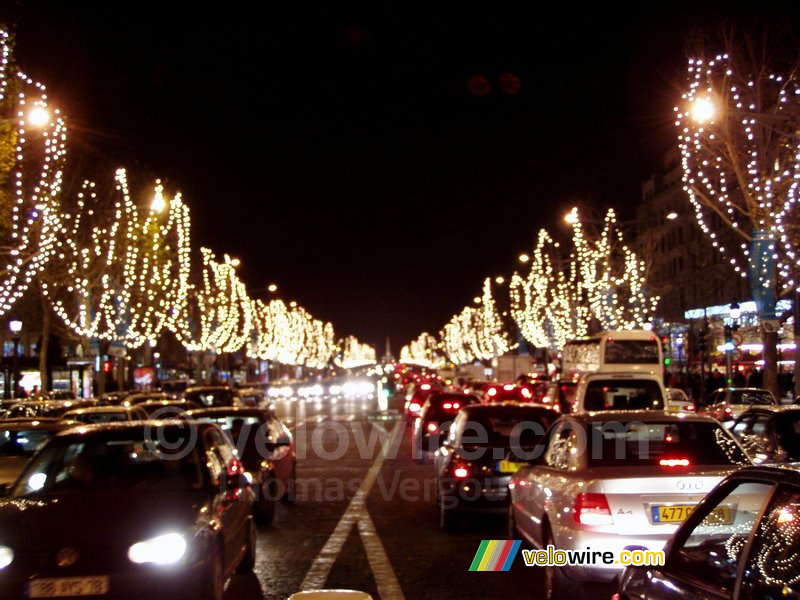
(44, 346)
(770, 344)
(796, 353)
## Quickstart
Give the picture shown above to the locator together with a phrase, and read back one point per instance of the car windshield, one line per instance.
(751, 397)
(211, 397)
(628, 394)
(112, 462)
(22, 443)
(629, 352)
(670, 444)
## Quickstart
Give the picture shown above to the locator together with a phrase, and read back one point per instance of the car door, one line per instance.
(703, 558)
(534, 492)
(232, 508)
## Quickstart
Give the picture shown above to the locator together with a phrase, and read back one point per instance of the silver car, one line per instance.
(614, 481)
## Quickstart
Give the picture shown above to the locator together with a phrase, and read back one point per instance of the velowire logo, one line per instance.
(495, 555)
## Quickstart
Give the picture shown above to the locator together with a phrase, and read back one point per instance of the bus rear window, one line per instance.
(630, 352)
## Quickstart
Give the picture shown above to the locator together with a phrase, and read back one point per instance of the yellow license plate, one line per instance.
(68, 586)
(508, 466)
(678, 513)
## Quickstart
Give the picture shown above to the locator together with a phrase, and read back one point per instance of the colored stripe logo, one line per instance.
(495, 555)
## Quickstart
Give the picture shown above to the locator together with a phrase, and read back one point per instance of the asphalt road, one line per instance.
(368, 522)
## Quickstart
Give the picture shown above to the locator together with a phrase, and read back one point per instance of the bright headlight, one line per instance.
(6, 556)
(161, 550)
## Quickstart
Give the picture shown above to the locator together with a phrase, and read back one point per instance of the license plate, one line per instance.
(68, 586)
(508, 466)
(680, 512)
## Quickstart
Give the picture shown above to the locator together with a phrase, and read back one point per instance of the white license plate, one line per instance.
(68, 586)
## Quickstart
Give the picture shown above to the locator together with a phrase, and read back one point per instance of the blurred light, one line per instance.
(161, 550)
(499, 280)
(702, 110)
(38, 117)
(272, 287)
(523, 258)
(571, 217)
(672, 216)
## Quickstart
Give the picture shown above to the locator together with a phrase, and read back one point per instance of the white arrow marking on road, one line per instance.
(357, 514)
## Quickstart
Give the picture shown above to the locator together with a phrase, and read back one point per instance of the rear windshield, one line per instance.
(211, 398)
(677, 444)
(628, 394)
(495, 429)
(630, 352)
(751, 397)
(97, 417)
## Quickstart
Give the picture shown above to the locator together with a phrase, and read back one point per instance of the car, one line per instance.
(471, 469)
(416, 395)
(253, 397)
(770, 434)
(618, 391)
(113, 398)
(213, 395)
(433, 422)
(19, 440)
(741, 541)
(128, 509)
(726, 404)
(507, 392)
(677, 401)
(167, 409)
(616, 480)
(142, 397)
(46, 408)
(265, 447)
(106, 414)
(176, 387)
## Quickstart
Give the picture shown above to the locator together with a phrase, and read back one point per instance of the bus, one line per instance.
(624, 351)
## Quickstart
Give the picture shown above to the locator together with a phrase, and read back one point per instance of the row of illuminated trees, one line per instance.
(120, 271)
(597, 281)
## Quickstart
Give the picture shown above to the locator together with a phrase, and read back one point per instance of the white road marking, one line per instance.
(357, 514)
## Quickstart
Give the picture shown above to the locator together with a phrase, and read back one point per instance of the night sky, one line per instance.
(340, 151)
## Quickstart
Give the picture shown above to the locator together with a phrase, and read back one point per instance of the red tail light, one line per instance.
(461, 472)
(508, 387)
(592, 509)
(526, 393)
(689, 408)
(492, 392)
(675, 462)
(432, 427)
(456, 406)
(447, 405)
(425, 387)
(414, 407)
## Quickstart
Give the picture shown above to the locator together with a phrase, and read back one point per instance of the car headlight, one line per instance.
(162, 550)
(6, 557)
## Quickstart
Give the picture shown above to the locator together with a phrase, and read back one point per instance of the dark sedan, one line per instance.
(137, 510)
(750, 552)
(472, 470)
(433, 422)
(266, 448)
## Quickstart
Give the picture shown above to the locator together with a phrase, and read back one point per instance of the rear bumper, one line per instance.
(474, 495)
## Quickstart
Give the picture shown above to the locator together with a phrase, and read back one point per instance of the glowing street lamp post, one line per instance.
(15, 326)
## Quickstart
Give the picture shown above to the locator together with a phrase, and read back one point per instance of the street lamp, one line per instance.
(499, 280)
(523, 258)
(15, 326)
(272, 288)
(735, 311)
(38, 117)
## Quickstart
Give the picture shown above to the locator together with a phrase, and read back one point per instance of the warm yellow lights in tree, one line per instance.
(425, 351)
(355, 354)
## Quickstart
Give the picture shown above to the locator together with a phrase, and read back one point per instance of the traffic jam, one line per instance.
(595, 479)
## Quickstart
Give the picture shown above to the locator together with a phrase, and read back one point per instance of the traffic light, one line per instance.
(107, 366)
(728, 338)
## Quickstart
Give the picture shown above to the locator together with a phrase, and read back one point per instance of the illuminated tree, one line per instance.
(355, 354)
(739, 136)
(425, 351)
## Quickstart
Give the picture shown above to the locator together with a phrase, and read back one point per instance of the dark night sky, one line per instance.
(337, 150)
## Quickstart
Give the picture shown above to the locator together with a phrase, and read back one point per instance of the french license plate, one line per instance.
(68, 586)
(680, 512)
(508, 466)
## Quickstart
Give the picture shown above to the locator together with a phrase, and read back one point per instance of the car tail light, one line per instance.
(508, 387)
(425, 387)
(461, 472)
(492, 392)
(728, 411)
(675, 462)
(526, 393)
(689, 408)
(456, 406)
(235, 467)
(592, 509)
(414, 407)
(432, 427)
(447, 405)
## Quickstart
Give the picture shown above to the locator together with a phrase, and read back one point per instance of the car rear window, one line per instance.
(211, 397)
(628, 394)
(641, 444)
(752, 397)
(496, 428)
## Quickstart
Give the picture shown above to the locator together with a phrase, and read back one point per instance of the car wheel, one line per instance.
(290, 486)
(214, 588)
(265, 508)
(557, 586)
(249, 559)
